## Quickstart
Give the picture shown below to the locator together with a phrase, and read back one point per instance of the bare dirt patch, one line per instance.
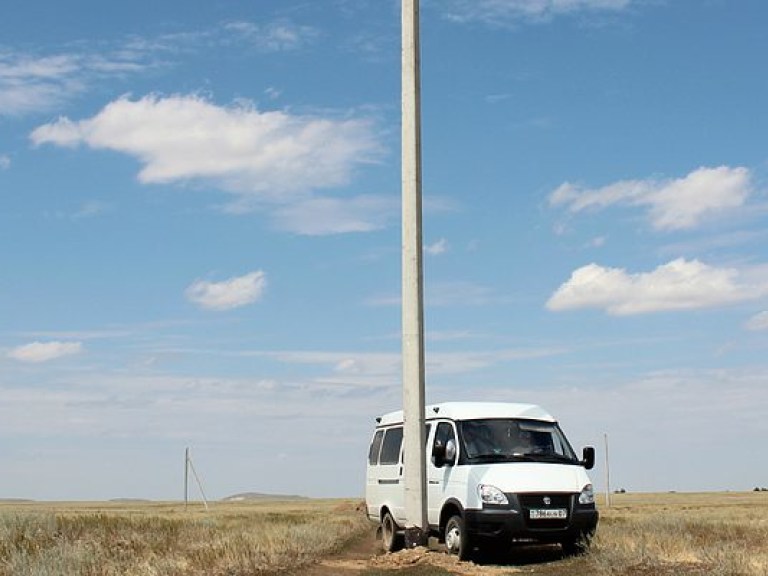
(365, 556)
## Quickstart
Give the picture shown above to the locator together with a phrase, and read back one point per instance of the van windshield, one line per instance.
(500, 439)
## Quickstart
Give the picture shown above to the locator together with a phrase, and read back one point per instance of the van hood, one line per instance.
(520, 477)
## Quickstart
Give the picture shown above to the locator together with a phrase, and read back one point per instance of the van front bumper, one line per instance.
(514, 523)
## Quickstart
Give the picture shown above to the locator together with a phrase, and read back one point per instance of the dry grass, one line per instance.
(162, 539)
(723, 534)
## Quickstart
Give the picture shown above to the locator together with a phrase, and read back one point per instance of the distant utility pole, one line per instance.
(186, 478)
(607, 475)
(187, 467)
(413, 284)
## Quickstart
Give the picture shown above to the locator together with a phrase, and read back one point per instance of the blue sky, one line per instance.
(199, 215)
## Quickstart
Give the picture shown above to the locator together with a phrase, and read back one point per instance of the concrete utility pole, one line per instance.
(413, 284)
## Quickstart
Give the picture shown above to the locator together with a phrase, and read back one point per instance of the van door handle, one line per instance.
(434, 481)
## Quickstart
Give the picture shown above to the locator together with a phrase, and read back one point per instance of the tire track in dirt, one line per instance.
(366, 553)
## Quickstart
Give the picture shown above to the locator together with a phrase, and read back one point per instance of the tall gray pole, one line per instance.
(413, 284)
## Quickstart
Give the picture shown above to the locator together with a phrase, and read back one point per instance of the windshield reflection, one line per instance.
(515, 439)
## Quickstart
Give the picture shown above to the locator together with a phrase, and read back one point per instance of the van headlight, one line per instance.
(587, 495)
(491, 495)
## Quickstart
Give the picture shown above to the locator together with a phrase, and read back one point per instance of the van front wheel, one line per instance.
(392, 540)
(456, 538)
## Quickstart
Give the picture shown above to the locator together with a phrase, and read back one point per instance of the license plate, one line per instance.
(549, 514)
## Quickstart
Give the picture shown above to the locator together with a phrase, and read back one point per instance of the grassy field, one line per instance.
(716, 533)
(144, 539)
(723, 534)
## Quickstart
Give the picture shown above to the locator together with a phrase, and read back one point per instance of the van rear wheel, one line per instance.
(391, 538)
(457, 540)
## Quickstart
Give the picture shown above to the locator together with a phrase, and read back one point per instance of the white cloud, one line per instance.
(678, 204)
(39, 83)
(5, 162)
(228, 294)
(260, 156)
(506, 12)
(38, 352)
(678, 285)
(271, 37)
(323, 216)
(758, 322)
(436, 248)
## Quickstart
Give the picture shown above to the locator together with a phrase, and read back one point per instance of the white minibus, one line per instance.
(497, 474)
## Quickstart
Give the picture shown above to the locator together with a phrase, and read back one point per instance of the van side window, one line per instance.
(390, 448)
(373, 453)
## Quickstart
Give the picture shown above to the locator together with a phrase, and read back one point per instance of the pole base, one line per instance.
(415, 537)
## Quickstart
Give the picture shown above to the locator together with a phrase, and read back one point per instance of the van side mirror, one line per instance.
(450, 453)
(444, 454)
(588, 457)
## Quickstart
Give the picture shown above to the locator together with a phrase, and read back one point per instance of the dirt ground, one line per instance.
(366, 554)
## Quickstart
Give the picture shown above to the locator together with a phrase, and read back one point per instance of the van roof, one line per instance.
(472, 410)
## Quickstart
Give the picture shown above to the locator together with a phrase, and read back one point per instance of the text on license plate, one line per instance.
(549, 514)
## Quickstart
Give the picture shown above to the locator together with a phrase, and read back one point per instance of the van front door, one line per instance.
(439, 477)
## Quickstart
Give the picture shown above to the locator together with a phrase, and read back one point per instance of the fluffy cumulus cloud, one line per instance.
(673, 204)
(38, 352)
(678, 285)
(228, 294)
(504, 12)
(271, 160)
(244, 150)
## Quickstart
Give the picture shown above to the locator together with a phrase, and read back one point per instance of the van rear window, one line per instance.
(390, 448)
(373, 453)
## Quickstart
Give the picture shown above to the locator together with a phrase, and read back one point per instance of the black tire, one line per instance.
(457, 541)
(391, 538)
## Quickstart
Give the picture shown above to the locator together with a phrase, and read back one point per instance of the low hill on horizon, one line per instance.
(246, 496)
